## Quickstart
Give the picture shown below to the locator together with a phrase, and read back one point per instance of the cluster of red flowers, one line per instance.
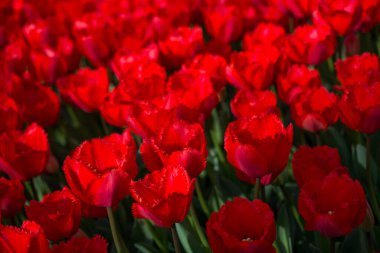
(159, 69)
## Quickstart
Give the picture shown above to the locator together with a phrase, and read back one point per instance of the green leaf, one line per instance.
(189, 239)
(354, 243)
(283, 230)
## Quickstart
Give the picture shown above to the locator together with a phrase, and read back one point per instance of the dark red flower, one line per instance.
(265, 33)
(342, 15)
(83, 245)
(368, 14)
(249, 103)
(99, 171)
(359, 107)
(310, 44)
(253, 69)
(164, 196)
(181, 45)
(9, 114)
(85, 89)
(358, 69)
(224, 22)
(301, 8)
(258, 147)
(295, 81)
(178, 143)
(242, 226)
(23, 155)
(58, 213)
(311, 163)
(315, 110)
(333, 205)
(12, 197)
(30, 238)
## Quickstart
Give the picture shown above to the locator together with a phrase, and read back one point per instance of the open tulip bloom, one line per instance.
(225, 126)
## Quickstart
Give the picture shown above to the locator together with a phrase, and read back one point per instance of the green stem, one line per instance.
(332, 245)
(201, 199)
(372, 191)
(292, 208)
(257, 189)
(155, 237)
(318, 138)
(120, 247)
(176, 243)
(198, 227)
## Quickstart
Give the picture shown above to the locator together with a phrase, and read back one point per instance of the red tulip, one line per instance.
(358, 69)
(301, 8)
(333, 205)
(178, 143)
(83, 245)
(9, 115)
(30, 238)
(164, 196)
(265, 33)
(12, 197)
(23, 155)
(249, 103)
(182, 44)
(242, 226)
(359, 108)
(311, 163)
(295, 81)
(310, 44)
(85, 89)
(59, 214)
(254, 69)
(99, 171)
(368, 14)
(258, 147)
(315, 110)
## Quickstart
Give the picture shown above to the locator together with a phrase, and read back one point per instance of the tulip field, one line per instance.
(189, 126)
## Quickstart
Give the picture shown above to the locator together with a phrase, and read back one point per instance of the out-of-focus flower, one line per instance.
(9, 114)
(265, 33)
(301, 8)
(164, 196)
(258, 147)
(242, 226)
(12, 197)
(82, 244)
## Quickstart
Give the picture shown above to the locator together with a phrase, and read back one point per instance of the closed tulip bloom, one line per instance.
(265, 33)
(85, 89)
(164, 196)
(29, 238)
(58, 213)
(100, 170)
(23, 155)
(258, 147)
(359, 108)
(10, 115)
(12, 197)
(315, 110)
(83, 245)
(242, 226)
(333, 205)
(301, 8)
(317, 162)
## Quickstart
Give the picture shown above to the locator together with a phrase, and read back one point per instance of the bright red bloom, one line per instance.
(99, 171)
(310, 45)
(59, 214)
(249, 103)
(224, 22)
(12, 197)
(359, 107)
(264, 33)
(258, 147)
(164, 196)
(315, 109)
(178, 143)
(295, 81)
(358, 69)
(30, 238)
(311, 163)
(23, 155)
(341, 15)
(9, 114)
(83, 245)
(242, 226)
(181, 45)
(301, 8)
(254, 69)
(86, 88)
(333, 205)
